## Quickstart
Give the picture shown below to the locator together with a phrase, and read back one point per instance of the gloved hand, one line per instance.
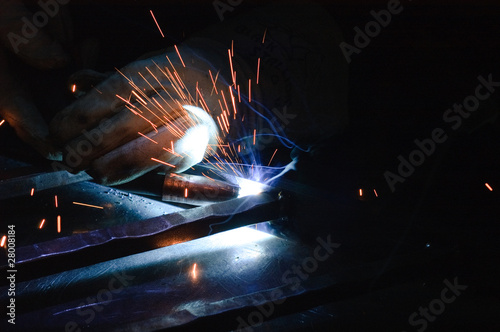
(137, 119)
(33, 44)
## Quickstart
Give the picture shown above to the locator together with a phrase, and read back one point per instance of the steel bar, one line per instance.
(96, 246)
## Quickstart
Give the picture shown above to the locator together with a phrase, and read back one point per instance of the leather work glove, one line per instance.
(154, 112)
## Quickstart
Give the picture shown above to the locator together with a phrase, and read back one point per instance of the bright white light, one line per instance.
(196, 139)
(249, 187)
(194, 143)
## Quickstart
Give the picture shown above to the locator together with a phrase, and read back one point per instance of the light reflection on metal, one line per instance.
(194, 271)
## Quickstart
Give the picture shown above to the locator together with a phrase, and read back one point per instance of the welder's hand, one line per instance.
(28, 40)
(104, 131)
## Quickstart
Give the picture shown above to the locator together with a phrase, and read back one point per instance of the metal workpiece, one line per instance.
(171, 286)
(19, 186)
(86, 248)
(82, 207)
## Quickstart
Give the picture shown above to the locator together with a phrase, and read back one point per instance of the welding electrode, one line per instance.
(182, 188)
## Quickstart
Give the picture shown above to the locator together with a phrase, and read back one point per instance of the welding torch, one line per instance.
(182, 188)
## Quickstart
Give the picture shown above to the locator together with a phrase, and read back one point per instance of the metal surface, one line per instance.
(161, 288)
(100, 245)
(19, 186)
(116, 208)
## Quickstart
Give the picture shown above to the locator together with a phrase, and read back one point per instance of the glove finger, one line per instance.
(108, 98)
(142, 155)
(131, 122)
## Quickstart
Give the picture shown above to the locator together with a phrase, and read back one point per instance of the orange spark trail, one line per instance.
(58, 224)
(250, 90)
(213, 82)
(55, 201)
(376, 195)
(162, 162)
(258, 70)
(41, 224)
(149, 138)
(360, 192)
(179, 54)
(89, 205)
(1, 122)
(185, 192)
(254, 135)
(264, 37)
(233, 74)
(272, 157)
(154, 18)
(32, 191)
(73, 88)
(488, 186)
(4, 239)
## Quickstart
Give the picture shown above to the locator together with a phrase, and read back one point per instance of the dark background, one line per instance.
(427, 59)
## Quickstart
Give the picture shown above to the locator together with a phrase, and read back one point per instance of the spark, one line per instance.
(254, 135)
(179, 54)
(55, 201)
(149, 138)
(32, 192)
(162, 162)
(40, 226)
(264, 37)
(250, 90)
(375, 192)
(88, 205)
(185, 192)
(233, 73)
(214, 81)
(73, 88)
(154, 18)
(488, 186)
(59, 224)
(258, 70)
(272, 157)
(232, 48)
(142, 101)
(4, 239)
(1, 122)
(360, 192)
